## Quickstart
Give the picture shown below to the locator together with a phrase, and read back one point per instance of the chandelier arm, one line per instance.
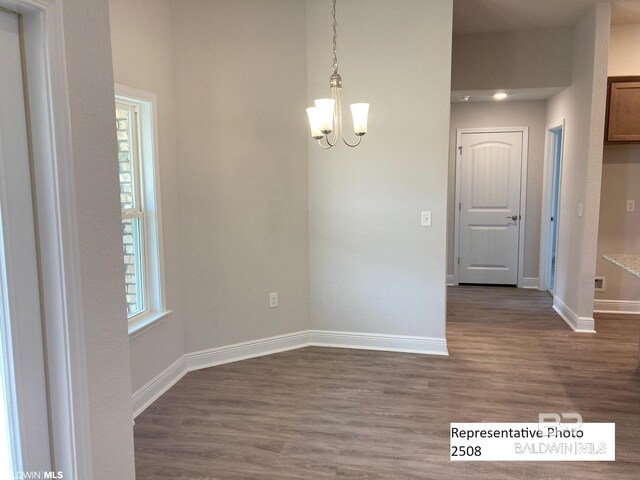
(335, 138)
(327, 147)
(354, 145)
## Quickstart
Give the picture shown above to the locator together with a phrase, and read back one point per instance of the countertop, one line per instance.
(628, 262)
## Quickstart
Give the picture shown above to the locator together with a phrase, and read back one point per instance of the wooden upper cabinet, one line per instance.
(623, 110)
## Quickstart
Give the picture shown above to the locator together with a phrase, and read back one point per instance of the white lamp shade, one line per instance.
(325, 108)
(360, 113)
(315, 122)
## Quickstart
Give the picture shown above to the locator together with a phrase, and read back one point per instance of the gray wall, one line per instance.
(240, 82)
(90, 80)
(373, 267)
(505, 114)
(582, 160)
(530, 59)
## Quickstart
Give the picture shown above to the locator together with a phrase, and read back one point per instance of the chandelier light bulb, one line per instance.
(315, 123)
(325, 108)
(360, 114)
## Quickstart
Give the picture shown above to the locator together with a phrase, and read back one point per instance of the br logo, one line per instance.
(560, 420)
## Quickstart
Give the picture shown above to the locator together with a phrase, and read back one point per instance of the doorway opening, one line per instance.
(551, 212)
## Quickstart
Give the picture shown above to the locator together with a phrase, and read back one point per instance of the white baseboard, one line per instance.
(627, 307)
(245, 350)
(375, 341)
(527, 282)
(577, 324)
(152, 390)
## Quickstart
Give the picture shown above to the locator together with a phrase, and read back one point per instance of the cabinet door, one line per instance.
(624, 112)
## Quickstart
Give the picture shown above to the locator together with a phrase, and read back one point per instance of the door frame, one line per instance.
(547, 191)
(22, 331)
(523, 195)
(52, 165)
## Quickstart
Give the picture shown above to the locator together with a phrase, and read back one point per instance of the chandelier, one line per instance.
(326, 116)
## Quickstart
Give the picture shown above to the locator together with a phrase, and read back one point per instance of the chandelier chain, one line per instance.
(335, 38)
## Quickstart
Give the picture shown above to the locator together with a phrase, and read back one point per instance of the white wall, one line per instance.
(90, 78)
(619, 231)
(509, 60)
(582, 105)
(505, 114)
(373, 268)
(240, 81)
(143, 59)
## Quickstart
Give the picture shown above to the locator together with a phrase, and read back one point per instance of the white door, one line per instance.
(23, 404)
(489, 210)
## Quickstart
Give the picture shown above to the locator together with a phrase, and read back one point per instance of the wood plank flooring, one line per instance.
(320, 413)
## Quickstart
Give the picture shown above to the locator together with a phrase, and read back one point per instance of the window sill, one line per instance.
(142, 323)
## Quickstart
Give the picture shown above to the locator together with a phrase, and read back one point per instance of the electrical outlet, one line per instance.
(425, 219)
(273, 300)
(631, 206)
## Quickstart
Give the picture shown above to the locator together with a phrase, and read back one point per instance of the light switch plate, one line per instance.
(273, 300)
(425, 220)
(631, 206)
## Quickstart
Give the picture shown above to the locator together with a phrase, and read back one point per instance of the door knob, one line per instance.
(513, 217)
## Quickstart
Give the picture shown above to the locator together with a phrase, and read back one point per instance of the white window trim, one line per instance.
(155, 308)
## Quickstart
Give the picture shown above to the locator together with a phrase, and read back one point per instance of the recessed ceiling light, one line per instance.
(500, 96)
(463, 98)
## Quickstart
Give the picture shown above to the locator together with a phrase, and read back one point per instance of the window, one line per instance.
(139, 204)
(131, 206)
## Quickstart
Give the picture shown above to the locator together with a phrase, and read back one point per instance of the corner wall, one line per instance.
(373, 267)
(244, 198)
(583, 106)
(240, 82)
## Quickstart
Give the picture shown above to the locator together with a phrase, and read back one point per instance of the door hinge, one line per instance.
(460, 206)
(460, 150)
(458, 260)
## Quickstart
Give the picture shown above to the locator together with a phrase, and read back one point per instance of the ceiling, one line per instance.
(484, 16)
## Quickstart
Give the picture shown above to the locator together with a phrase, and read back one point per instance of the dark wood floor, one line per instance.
(320, 413)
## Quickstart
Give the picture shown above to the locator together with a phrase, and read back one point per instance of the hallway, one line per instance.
(317, 413)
